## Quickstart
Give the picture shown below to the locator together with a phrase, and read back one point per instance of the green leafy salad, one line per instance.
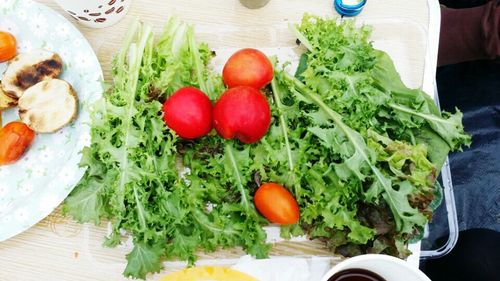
(359, 151)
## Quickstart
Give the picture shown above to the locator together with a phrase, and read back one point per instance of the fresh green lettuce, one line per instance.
(358, 149)
(381, 142)
(135, 172)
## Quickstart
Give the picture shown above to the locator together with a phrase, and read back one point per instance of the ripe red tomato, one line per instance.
(15, 139)
(248, 67)
(276, 204)
(243, 113)
(189, 113)
(7, 46)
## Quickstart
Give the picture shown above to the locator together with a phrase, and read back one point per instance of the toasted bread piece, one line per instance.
(27, 69)
(48, 106)
(6, 101)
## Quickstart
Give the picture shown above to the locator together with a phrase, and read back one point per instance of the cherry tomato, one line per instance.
(189, 113)
(7, 46)
(243, 113)
(15, 139)
(276, 204)
(248, 67)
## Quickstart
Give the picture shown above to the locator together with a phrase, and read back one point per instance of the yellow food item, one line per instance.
(207, 273)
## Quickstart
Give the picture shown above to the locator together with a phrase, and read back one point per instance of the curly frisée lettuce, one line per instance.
(359, 151)
(382, 143)
(132, 175)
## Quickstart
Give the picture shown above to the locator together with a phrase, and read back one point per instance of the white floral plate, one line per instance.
(34, 186)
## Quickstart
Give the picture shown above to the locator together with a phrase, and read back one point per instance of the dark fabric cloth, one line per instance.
(475, 257)
(469, 34)
(490, 27)
(474, 87)
(458, 4)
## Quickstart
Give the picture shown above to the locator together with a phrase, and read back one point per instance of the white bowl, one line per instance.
(390, 268)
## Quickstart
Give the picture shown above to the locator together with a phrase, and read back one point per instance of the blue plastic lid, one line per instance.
(348, 10)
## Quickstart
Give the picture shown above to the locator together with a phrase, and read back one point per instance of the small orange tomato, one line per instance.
(276, 204)
(15, 138)
(7, 46)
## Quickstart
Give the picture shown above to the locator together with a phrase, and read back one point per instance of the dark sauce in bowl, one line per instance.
(356, 274)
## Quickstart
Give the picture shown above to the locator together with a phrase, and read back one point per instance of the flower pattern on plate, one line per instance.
(33, 187)
(39, 25)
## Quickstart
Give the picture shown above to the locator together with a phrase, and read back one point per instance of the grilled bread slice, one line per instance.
(48, 106)
(6, 101)
(27, 69)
